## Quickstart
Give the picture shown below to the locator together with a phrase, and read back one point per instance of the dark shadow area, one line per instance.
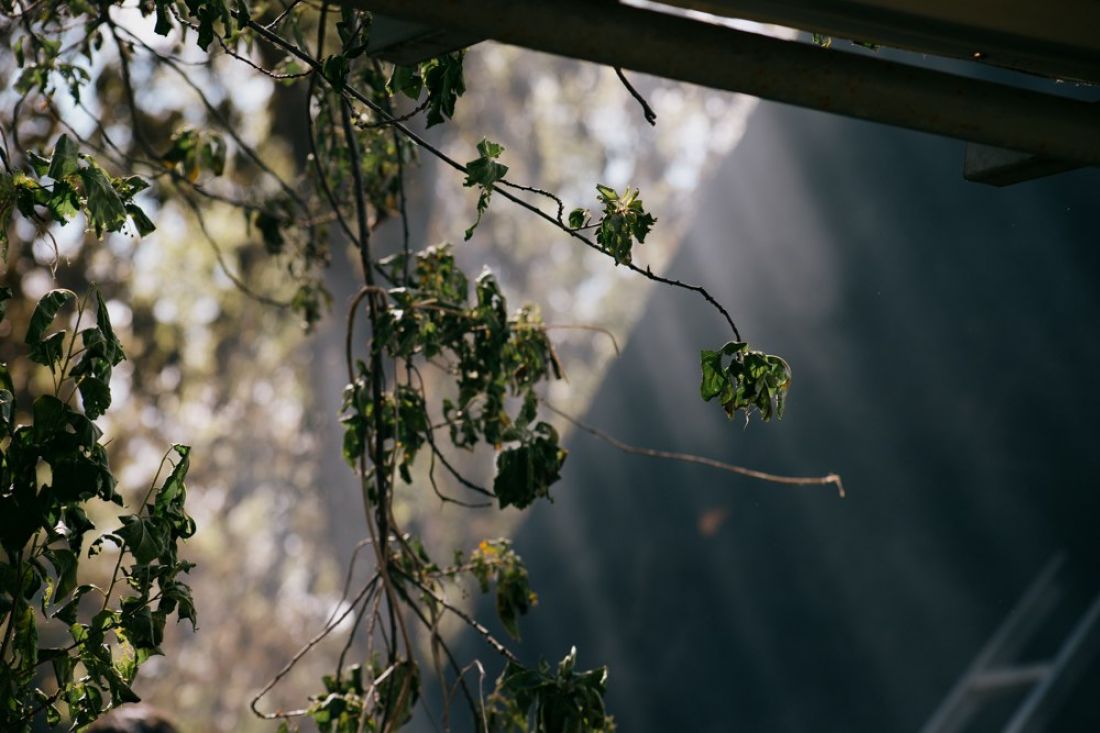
(943, 340)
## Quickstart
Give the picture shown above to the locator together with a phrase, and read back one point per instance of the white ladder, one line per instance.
(997, 668)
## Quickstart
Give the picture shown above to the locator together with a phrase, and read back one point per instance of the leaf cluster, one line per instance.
(547, 700)
(394, 688)
(495, 563)
(441, 77)
(624, 222)
(430, 315)
(747, 380)
(484, 171)
(192, 151)
(58, 188)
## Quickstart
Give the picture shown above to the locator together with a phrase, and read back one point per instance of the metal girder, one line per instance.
(784, 71)
(409, 43)
(1055, 38)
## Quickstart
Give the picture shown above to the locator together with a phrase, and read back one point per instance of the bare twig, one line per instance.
(470, 620)
(828, 479)
(650, 115)
(317, 639)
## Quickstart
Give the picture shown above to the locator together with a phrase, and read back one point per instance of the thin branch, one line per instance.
(829, 479)
(470, 620)
(240, 284)
(500, 189)
(317, 639)
(583, 327)
(650, 115)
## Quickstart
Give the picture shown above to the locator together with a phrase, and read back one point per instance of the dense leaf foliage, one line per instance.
(53, 469)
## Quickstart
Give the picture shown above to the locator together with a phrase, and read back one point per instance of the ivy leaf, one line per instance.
(172, 493)
(63, 202)
(443, 79)
(484, 172)
(271, 229)
(624, 222)
(164, 22)
(406, 80)
(39, 164)
(48, 351)
(713, 378)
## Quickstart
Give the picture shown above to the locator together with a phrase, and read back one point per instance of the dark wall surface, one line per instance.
(944, 343)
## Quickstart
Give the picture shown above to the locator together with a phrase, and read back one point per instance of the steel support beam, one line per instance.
(783, 71)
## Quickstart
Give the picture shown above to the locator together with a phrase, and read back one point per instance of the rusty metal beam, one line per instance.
(784, 71)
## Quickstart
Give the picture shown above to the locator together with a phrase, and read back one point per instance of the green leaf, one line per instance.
(65, 564)
(526, 472)
(578, 218)
(406, 80)
(713, 378)
(112, 347)
(443, 79)
(44, 313)
(335, 68)
(50, 418)
(624, 222)
(95, 395)
(142, 223)
(66, 159)
(271, 229)
(484, 172)
(39, 164)
(173, 491)
(48, 351)
(141, 537)
(63, 202)
(751, 380)
(105, 208)
(164, 22)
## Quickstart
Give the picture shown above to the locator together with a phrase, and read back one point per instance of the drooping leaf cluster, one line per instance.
(747, 380)
(546, 700)
(492, 357)
(53, 469)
